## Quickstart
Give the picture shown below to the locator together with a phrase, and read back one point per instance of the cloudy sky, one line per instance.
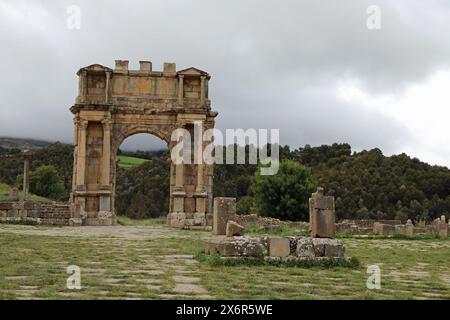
(311, 68)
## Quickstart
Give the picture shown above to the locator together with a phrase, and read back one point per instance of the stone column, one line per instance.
(106, 158)
(202, 91)
(200, 191)
(81, 154)
(180, 89)
(26, 174)
(108, 81)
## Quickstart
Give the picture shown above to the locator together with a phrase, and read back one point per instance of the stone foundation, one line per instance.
(40, 213)
(280, 247)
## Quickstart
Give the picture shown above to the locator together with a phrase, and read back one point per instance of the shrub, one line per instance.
(285, 195)
(245, 205)
(46, 182)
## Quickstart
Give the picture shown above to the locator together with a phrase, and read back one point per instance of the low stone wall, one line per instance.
(279, 247)
(439, 227)
(364, 226)
(39, 213)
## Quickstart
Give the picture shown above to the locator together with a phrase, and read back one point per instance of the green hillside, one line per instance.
(22, 143)
(130, 162)
(6, 189)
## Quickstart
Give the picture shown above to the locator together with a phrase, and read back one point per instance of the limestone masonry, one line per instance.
(113, 104)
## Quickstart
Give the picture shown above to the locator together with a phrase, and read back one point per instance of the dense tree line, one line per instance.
(366, 184)
(143, 191)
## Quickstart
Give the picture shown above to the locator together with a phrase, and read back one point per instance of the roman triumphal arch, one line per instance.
(115, 104)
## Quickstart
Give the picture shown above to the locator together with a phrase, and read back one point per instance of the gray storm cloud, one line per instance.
(275, 64)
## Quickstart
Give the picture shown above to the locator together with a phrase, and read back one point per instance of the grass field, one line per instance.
(148, 260)
(130, 162)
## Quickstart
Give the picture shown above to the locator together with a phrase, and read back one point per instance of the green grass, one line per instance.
(216, 260)
(6, 189)
(117, 262)
(130, 162)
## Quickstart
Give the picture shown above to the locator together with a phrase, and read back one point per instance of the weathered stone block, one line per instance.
(320, 247)
(170, 69)
(383, 229)
(279, 247)
(224, 210)
(145, 66)
(236, 246)
(234, 229)
(6, 205)
(305, 248)
(177, 219)
(121, 66)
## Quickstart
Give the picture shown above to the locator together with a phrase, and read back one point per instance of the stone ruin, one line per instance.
(439, 227)
(16, 210)
(114, 104)
(394, 227)
(35, 212)
(229, 241)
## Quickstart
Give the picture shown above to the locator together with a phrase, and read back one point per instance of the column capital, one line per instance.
(83, 124)
(106, 122)
(181, 76)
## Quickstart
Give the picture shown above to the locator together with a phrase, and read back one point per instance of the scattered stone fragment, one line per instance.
(234, 229)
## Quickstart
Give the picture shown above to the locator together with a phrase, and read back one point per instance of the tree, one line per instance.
(285, 194)
(245, 205)
(46, 182)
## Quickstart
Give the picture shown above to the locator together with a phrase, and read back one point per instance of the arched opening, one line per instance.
(142, 177)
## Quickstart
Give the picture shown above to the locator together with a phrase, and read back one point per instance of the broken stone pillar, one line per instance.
(26, 173)
(322, 215)
(442, 228)
(224, 210)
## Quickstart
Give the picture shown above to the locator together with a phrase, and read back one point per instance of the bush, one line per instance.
(245, 205)
(46, 182)
(285, 195)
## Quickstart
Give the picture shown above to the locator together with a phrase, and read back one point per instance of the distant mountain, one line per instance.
(22, 143)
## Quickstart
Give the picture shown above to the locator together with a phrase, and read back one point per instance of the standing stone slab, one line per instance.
(409, 228)
(322, 215)
(224, 210)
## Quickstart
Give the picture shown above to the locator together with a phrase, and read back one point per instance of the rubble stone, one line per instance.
(234, 229)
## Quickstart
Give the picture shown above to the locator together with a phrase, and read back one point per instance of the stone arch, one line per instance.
(128, 103)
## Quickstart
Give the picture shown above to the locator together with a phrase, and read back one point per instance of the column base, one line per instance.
(181, 221)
